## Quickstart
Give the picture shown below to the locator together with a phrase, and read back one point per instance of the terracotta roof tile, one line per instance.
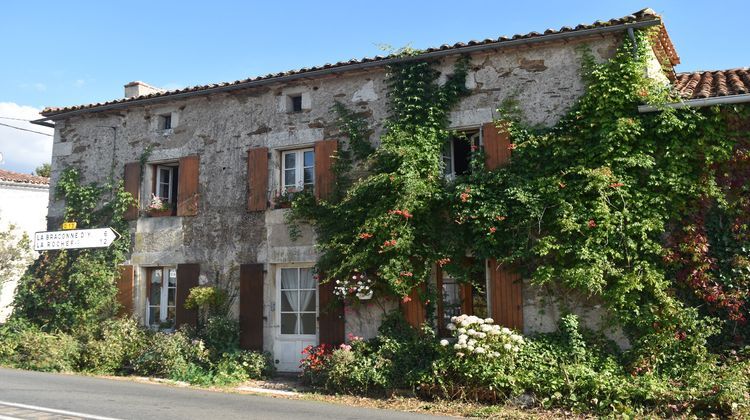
(22, 178)
(641, 15)
(709, 84)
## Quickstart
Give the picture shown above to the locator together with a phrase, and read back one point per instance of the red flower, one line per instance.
(500, 218)
(406, 299)
(474, 147)
(493, 229)
(406, 273)
(616, 185)
(391, 242)
(365, 235)
(443, 261)
(512, 146)
(592, 223)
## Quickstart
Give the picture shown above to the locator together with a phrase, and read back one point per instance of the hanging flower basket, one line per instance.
(365, 295)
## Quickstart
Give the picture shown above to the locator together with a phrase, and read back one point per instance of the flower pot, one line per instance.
(159, 213)
(365, 295)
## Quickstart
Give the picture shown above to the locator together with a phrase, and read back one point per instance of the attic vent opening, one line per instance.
(296, 103)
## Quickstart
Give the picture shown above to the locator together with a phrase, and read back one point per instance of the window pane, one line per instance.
(170, 313)
(308, 323)
(290, 178)
(447, 158)
(156, 284)
(290, 160)
(164, 191)
(171, 296)
(289, 278)
(307, 300)
(451, 299)
(309, 174)
(289, 300)
(172, 277)
(153, 315)
(306, 278)
(289, 323)
(309, 158)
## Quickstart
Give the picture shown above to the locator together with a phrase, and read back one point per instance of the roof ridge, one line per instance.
(646, 15)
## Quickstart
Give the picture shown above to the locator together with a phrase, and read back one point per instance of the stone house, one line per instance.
(23, 203)
(220, 154)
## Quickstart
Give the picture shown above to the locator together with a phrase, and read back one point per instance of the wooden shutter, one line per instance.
(331, 317)
(496, 145)
(251, 307)
(414, 310)
(257, 179)
(187, 278)
(324, 158)
(506, 300)
(133, 186)
(187, 186)
(125, 290)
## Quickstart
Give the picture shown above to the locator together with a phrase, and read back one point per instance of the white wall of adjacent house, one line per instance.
(25, 206)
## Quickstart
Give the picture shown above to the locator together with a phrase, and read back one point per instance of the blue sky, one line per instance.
(58, 53)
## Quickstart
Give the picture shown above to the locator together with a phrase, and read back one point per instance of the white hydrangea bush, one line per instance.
(482, 338)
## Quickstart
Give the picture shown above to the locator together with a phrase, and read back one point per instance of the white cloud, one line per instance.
(22, 150)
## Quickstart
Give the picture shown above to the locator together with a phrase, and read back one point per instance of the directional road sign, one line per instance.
(75, 239)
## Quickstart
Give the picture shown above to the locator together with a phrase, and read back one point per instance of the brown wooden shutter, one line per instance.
(496, 145)
(251, 307)
(414, 310)
(257, 179)
(331, 318)
(125, 290)
(132, 183)
(506, 300)
(187, 186)
(324, 158)
(187, 278)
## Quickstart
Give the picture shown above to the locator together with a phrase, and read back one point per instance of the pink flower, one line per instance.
(406, 299)
(592, 223)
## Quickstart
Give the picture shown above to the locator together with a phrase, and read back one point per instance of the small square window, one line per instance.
(165, 122)
(296, 103)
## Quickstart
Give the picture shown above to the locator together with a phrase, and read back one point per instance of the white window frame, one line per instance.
(164, 296)
(169, 182)
(278, 304)
(475, 139)
(299, 170)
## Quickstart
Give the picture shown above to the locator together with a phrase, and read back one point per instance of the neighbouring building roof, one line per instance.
(646, 17)
(10, 176)
(711, 84)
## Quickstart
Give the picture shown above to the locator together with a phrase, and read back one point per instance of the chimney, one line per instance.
(138, 88)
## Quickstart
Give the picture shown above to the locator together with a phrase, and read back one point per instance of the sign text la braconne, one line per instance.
(75, 239)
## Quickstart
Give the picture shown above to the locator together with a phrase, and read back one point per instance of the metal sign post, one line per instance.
(74, 239)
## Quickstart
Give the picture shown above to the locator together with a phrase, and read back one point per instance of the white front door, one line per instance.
(296, 315)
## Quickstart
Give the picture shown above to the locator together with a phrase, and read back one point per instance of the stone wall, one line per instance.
(221, 127)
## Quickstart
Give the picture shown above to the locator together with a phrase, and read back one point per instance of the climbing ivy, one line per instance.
(74, 290)
(603, 203)
(384, 226)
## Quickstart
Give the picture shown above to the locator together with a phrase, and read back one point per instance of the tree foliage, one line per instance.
(70, 290)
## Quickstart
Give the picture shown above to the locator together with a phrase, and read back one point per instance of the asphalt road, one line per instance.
(35, 395)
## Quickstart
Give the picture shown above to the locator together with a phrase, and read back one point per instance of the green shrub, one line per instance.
(168, 355)
(118, 344)
(221, 335)
(240, 366)
(33, 349)
(355, 369)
